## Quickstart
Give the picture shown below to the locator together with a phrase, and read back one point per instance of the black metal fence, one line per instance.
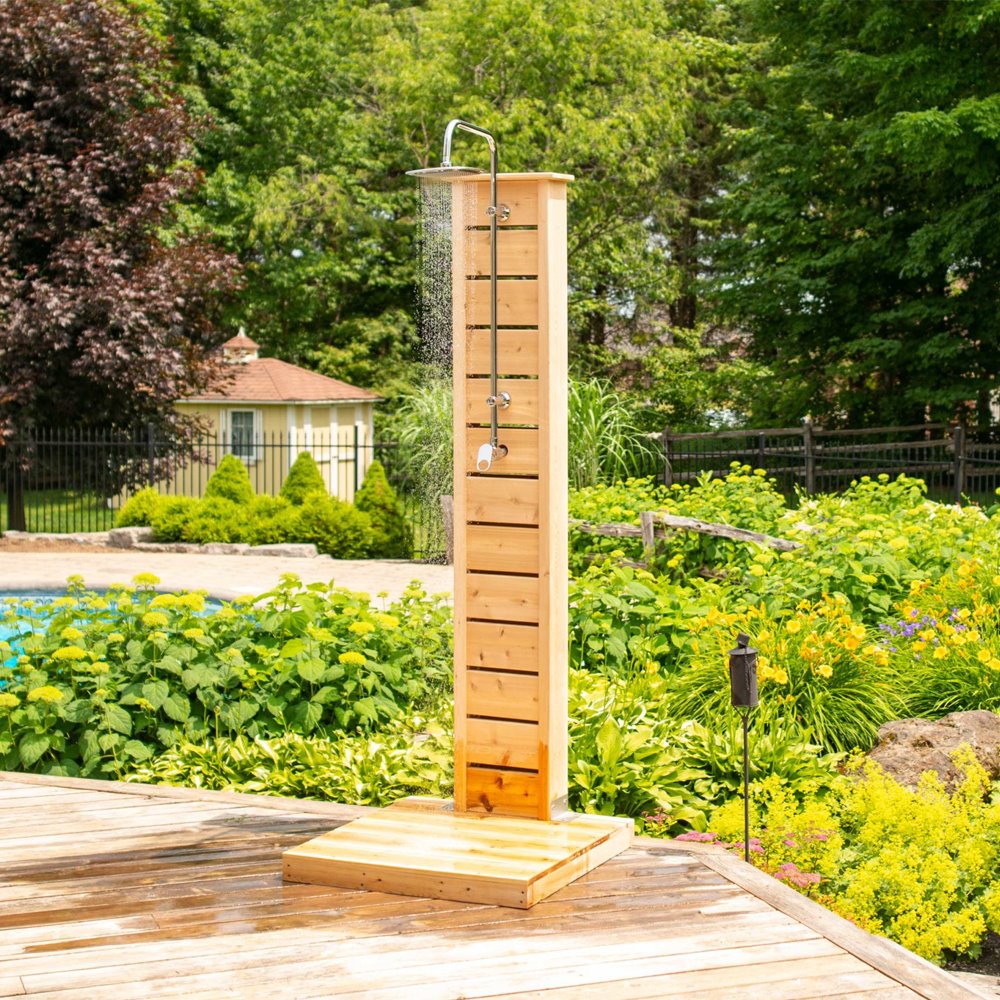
(953, 464)
(75, 480)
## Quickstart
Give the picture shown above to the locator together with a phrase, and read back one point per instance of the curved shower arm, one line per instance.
(458, 123)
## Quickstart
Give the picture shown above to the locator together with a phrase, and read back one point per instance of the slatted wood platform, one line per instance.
(420, 847)
(119, 891)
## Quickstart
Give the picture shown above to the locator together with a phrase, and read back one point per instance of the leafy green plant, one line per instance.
(391, 535)
(409, 756)
(605, 443)
(303, 478)
(216, 519)
(335, 527)
(422, 424)
(230, 481)
(140, 509)
(100, 682)
(271, 520)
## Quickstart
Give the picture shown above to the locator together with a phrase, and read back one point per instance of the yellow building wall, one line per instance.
(340, 438)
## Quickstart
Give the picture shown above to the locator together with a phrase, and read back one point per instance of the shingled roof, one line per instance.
(267, 380)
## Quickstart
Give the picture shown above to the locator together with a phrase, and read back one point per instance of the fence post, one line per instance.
(150, 455)
(761, 451)
(357, 461)
(958, 443)
(809, 447)
(668, 466)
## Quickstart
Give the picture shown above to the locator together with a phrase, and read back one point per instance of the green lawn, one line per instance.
(62, 511)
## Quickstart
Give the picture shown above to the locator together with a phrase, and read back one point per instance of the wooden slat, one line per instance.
(523, 408)
(502, 500)
(502, 598)
(521, 458)
(520, 196)
(502, 744)
(517, 252)
(502, 646)
(513, 793)
(502, 695)
(517, 352)
(517, 302)
(502, 549)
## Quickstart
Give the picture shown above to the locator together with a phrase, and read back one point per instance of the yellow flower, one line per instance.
(352, 657)
(793, 627)
(940, 653)
(154, 619)
(70, 634)
(69, 653)
(387, 621)
(46, 693)
(852, 642)
(145, 579)
(780, 676)
(994, 664)
(145, 705)
(115, 637)
(983, 656)
(996, 581)
(100, 667)
(756, 570)
(361, 628)
(920, 646)
(164, 601)
(193, 633)
(8, 700)
(824, 670)
(192, 602)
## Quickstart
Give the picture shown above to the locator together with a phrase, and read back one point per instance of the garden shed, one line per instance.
(268, 411)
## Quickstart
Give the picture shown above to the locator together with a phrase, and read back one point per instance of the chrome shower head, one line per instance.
(443, 173)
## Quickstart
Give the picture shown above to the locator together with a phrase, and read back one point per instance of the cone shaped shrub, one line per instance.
(335, 527)
(303, 478)
(230, 481)
(140, 509)
(391, 536)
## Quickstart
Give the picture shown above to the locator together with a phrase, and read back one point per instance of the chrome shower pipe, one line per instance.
(496, 400)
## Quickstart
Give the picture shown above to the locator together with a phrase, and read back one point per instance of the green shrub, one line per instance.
(140, 509)
(171, 517)
(230, 481)
(303, 478)
(335, 527)
(271, 520)
(216, 519)
(391, 536)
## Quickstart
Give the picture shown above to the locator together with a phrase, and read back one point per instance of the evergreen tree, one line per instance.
(391, 535)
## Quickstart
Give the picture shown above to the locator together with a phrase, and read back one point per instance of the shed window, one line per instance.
(242, 427)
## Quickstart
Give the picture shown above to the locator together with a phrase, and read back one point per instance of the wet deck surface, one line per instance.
(110, 891)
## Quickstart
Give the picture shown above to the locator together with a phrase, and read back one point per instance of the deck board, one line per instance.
(119, 891)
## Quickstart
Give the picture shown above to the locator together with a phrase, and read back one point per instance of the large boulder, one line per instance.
(909, 747)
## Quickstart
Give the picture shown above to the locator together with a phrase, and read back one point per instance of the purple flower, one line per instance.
(790, 873)
(700, 838)
(788, 842)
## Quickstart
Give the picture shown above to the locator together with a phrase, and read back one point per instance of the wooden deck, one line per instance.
(111, 891)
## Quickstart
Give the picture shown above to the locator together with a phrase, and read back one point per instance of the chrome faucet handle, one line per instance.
(502, 212)
(500, 401)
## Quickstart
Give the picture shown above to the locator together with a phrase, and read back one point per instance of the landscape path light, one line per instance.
(743, 692)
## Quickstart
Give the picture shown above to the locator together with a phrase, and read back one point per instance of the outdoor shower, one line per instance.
(506, 837)
(488, 453)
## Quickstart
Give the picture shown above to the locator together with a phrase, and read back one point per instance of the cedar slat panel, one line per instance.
(502, 695)
(502, 646)
(510, 793)
(517, 352)
(523, 408)
(502, 598)
(520, 196)
(517, 302)
(521, 458)
(517, 252)
(503, 501)
(502, 549)
(502, 744)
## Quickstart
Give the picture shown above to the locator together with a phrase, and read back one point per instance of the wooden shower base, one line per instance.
(419, 847)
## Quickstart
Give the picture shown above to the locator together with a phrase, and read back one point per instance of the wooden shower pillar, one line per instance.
(510, 527)
(506, 838)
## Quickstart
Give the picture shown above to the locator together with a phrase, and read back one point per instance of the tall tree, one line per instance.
(104, 318)
(867, 265)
